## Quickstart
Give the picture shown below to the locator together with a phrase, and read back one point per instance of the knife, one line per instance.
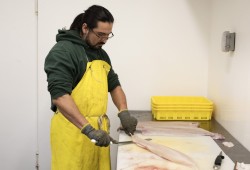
(130, 141)
(218, 161)
(122, 142)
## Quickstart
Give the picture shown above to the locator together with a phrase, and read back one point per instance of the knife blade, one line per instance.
(122, 142)
(130, 141)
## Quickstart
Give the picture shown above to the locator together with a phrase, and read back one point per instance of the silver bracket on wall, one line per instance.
(228, 41)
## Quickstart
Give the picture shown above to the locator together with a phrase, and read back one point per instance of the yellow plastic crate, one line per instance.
(182, 114)
(181, 108)
(180, 101)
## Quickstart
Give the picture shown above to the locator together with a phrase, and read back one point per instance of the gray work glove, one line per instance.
(101, 137)
(128, 122)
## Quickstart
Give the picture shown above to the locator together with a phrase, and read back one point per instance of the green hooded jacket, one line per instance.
(66, 64)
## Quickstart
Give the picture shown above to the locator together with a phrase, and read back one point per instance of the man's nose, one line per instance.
(104, 40)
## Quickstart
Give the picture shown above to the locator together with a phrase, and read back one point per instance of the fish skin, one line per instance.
(166, 124)
(179, 129)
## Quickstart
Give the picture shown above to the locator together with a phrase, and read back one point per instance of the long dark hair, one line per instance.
(91, 16)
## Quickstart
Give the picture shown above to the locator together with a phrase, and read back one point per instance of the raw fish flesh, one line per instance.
(166, 152)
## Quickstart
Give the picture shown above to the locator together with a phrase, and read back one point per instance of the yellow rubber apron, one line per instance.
(71, 150)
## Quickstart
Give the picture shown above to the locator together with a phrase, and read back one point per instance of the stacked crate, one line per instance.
(181, 108)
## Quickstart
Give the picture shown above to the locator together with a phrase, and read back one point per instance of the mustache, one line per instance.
(101, 43)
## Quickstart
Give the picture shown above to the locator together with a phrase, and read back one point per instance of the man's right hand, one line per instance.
(101, 137)
(128, 122)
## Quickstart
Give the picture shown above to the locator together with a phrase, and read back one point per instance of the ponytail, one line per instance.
(77, 23)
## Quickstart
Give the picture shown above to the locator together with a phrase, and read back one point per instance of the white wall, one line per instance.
(229, 73)
(18, 72)
(159, 48)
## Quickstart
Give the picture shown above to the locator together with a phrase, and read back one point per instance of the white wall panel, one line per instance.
(18, 72)
(229, 73)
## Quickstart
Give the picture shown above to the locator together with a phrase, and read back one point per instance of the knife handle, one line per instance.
(94, 141)
(218, 160)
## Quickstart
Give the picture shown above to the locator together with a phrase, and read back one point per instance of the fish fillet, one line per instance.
(167, 124)
(179, 131)
(172, 128)
(165, 152)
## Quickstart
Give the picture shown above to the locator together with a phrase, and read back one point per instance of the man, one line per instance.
(80, 75)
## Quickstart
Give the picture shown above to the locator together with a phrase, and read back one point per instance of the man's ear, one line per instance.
(85, 29)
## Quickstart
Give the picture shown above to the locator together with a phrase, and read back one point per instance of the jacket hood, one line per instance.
(70, 35)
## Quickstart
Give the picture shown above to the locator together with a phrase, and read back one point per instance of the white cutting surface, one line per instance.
(202, 149)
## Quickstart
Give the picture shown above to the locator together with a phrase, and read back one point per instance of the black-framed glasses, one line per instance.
(102, 35)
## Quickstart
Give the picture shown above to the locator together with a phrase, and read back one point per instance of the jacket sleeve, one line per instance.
(60, 72)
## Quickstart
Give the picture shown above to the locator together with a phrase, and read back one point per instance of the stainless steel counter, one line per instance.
(237, 153)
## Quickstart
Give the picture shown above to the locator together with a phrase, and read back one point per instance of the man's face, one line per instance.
(98, 36)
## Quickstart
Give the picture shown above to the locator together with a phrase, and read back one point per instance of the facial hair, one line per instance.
(98, 45)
